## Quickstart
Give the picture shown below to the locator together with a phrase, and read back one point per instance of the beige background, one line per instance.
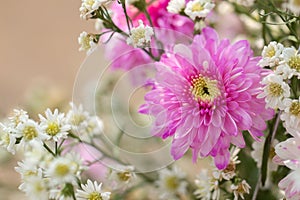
(38, 44)
(38, 41)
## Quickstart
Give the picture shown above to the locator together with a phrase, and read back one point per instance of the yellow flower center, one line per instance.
(172, 182)
(95, 196)
(294, 63)
(90, 2)
(275, 89)
(52, 129)
(197, 7)
(77, 119)
(295, 108)
(124, 176)
(137, 35)
(204, 89)
(30, 132)
(62, 169)
(270, 52)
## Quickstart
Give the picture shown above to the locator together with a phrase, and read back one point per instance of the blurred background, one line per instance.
(38, 55)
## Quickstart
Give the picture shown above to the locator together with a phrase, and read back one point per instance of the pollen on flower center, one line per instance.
(62, 169)
(52, 129)
(295, 108)
(197, 7)
(275, 89)
(172, 182)
(95, 196)
(204, 89)
(124, 176)
(270, 52)
(29, 132)
(294, 63)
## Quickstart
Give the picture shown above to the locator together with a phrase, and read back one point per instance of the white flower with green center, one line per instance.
(7, 138)
(92, 191)
(271, 54)
(275, 91)
(62, 170)
(171, 183)
(140, 36)
(30, 133)
(176, 6)
(54, 124)
(291, 59)
(87, 42)
(198, 9)
(291, 117)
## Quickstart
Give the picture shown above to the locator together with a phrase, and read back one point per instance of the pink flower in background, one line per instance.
(204, 95)
(169, 28)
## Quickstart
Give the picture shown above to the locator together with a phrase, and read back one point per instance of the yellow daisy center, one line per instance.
(294, 63)
(62, 169)
(275, 89)
(52, 129)
(172, 182)
(95, 196)
(204, 89)
(30, 132)
(197, 7)
(295, 108)
(124, 176)
(270, 52)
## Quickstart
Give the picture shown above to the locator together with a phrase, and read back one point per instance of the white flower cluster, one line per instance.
(195, 9)
(48, 170)
(87, 42)
(208, 184)
(281, 93)
(278, 88)
(90, 6)
(140, 36)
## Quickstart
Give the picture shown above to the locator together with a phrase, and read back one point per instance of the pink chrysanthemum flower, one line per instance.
(204, 95)
(168, 28)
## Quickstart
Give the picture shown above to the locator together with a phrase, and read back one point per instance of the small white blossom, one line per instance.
(89, 6)
(176, 6)
(198, 8)
(140, 36)
(291, 116)
(77, 117)
(92, 191)
(87, 42)
(171, 182)
(271, 54)
(275, 91)
(7, 139)
(246, 3)
(240, 189)
(54, 125)
(62, 170)
(294, 6)
(122, 178)
(36, 188)
(291, 58)
(19, 116)
(31, 133)
(207, 186)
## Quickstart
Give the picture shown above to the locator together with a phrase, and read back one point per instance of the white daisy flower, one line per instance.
(291, 58)
(19, 116)
(207, 186)
(7, 139)
(94, 126)
(198, 8)
(171, 182)
(271, 54)
(91, 191)
(294, 6)
(122, 178)
(27, 169)
(62, 170)
(36, 188)
(284, 71)
(89, 6)
(240, 189)
(54, 125)
(30, 133)
(275, 91)
(77, 118)
(87, 42)
(176, 6)
(140, 36)
(291, 116)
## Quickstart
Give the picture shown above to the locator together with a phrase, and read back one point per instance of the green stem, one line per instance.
(48, 149)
